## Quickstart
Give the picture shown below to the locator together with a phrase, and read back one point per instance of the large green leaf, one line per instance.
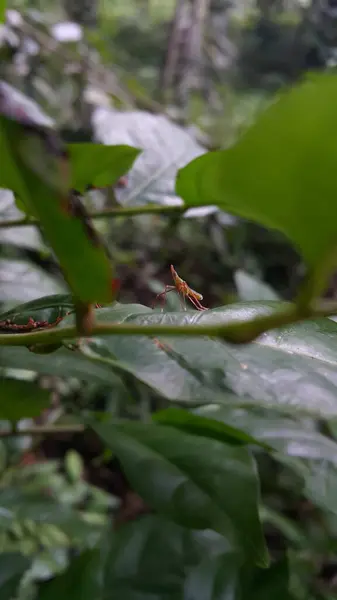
(292, 369)
(198, 482)
(35, 167)
(282, 172)
(99, 165)
(12, 568)
(20, 399)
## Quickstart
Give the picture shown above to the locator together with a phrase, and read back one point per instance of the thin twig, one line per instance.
(111, 213)
(239, 332)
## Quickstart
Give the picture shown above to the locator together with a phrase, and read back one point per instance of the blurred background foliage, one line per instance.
(175, 78)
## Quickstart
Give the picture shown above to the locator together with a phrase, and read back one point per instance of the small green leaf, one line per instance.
(282, 171)
(12, 568)
(99, 165)
(206, 427)
(21, 399)
(199, 483)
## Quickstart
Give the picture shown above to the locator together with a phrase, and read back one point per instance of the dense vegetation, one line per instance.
(150, 451)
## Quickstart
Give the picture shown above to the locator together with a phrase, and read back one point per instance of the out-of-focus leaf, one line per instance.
(215, 579)
(182, 476)
(21, 399)
(99, 165)
(152, 558)
(21, 280)
(12, 568)
(81, 581)
(208, 428)
(16, 105)
(66, 32)
(25, 237)
(36, 167)
(270, 583)
(148, 558)
(250, 289)
(166, 147)
(74, 465)
(2, 10)
(18, 504)
(281, 172)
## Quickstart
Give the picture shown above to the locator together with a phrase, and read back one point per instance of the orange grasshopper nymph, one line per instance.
(184, 291)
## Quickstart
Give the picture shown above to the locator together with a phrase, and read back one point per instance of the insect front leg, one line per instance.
(162, 295)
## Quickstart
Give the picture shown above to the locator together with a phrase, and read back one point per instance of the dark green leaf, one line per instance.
(149, 559)
(272, 583)
(208, 428)
(282, 171)
(200, 483)
(81, 581)
(21, 399)
(99, 165)
(36, 168)
(12, 568)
